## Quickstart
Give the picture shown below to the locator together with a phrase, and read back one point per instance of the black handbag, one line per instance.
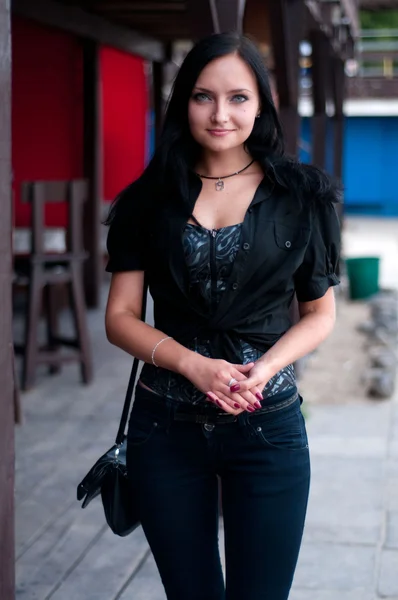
(108, 476)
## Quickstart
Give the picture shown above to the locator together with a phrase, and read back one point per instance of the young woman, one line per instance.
(226, 229)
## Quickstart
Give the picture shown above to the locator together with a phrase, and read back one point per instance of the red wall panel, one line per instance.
(125, 110)
(47, 110)
(47, 114)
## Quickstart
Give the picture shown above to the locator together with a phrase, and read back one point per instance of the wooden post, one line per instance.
(287, 18)
(92, 143)
(158, 83)
(214, 16)
(203, 17)
(287, 28)
(320, 80)
(230, 15)
(159, 80)
(7, 577)
(338, 87)
(338, 81)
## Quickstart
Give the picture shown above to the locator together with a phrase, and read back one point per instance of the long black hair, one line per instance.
(177, 151)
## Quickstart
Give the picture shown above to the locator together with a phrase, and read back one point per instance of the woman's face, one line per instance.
(224, 104)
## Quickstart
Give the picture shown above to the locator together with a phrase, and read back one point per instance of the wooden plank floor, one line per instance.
(62, 551)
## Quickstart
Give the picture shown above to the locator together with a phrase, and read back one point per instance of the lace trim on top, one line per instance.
(209, 256)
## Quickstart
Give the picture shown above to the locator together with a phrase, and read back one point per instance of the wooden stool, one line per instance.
(45, 271)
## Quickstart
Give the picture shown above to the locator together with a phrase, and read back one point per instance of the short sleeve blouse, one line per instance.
(318, 270)
(284, 249)
(126, 238)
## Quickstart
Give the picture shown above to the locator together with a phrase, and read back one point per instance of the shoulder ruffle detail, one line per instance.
(308, 183)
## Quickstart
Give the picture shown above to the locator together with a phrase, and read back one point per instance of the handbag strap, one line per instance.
(133, 375)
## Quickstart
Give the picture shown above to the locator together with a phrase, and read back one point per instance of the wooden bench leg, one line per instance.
(31, 328)
(79, 315)
(52, 324)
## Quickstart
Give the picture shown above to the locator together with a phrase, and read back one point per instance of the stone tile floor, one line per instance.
(350, 547)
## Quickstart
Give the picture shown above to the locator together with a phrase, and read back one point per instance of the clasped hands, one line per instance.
(233, 388)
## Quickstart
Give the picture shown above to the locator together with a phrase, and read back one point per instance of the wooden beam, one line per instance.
(202, 17)
(126, 7)
(319, 11)
(7, 577)
(148, 21)
(158, 105)
(378, 55)
(256, 21)
(339, 91)
(213, 16)
(287, 18)
(338, 85)
(159, 75)
(320, 69)
(350, 8)
(92, 153)
(316, 11)
(89, 26)
(230, 14)
(339, 80)
(321, 19)
(377, 4)
(168, 33)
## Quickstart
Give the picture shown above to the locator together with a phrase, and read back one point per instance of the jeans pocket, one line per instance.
(282, 434)
(141, 428)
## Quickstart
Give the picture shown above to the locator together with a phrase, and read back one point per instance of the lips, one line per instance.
(220, 132)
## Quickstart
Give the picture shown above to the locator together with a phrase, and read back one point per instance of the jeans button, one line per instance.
(208, 426)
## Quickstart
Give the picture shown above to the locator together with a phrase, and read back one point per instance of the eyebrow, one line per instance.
(230, 91)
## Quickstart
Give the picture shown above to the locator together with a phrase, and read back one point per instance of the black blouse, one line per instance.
(210, 256)
(285, 247)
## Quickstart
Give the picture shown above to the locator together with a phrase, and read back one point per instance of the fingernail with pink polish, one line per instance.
(257, 404)
(236, 405)
(235, 388)
(250, 408)
(259, 396)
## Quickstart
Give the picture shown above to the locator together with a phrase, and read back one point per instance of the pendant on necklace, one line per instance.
(219, 185)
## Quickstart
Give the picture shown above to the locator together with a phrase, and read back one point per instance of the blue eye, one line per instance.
(200, 97)
(239, 98)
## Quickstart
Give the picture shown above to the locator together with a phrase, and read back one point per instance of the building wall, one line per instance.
(125, 118)
(370, 163)
(47, 111)
(47, 114)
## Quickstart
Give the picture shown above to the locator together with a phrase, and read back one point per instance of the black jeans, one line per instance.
(263, 463)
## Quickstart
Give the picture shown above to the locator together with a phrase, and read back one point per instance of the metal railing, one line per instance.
(378, 53)
(374, 71)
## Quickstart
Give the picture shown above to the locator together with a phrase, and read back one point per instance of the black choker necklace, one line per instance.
(219, 183)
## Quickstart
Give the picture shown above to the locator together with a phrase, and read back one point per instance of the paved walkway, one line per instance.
(350, 548)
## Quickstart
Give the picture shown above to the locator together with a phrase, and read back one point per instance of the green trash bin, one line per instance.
(363, 276)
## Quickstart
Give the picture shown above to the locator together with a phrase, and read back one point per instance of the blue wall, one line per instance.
(370, 164)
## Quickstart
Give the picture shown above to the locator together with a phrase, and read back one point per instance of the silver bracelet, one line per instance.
(154, 350)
